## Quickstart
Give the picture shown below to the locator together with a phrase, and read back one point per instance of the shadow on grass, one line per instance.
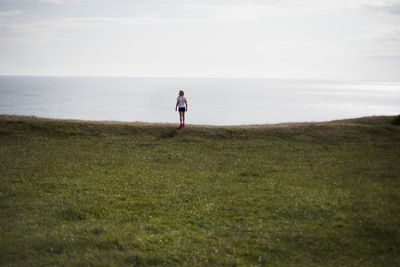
(170, 133)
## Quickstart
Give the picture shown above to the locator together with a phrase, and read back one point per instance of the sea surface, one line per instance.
(213, 101)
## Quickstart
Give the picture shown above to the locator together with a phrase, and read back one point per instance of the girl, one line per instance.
(182, 103)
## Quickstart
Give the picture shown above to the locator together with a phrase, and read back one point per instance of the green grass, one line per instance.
(104, 193)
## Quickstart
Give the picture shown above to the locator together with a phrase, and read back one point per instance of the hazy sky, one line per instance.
(326, 39)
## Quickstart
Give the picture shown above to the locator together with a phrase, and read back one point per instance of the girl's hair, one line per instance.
(181, 93)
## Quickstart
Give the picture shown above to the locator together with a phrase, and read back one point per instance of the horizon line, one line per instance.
(197, 77)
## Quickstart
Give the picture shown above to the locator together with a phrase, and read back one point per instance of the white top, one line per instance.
(181, 101)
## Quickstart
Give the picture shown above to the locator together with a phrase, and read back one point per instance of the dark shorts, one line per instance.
(182, 109)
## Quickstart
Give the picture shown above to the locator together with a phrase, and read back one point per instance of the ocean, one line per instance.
(212, 101)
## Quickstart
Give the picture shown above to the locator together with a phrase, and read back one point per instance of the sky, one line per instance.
(285, 39)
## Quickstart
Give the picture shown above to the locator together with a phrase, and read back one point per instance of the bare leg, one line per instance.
(180, 117)
(183, 117)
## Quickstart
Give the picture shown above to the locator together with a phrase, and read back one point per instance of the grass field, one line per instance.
(109, 193)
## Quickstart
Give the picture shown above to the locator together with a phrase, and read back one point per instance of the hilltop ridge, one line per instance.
(61, 127)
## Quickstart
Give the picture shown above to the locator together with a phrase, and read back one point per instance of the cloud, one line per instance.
(395, 9)
(317, 6)
(11, 16)
(378, 3)
(239, 11)
(381, 34)
(52, 1)
(94, 21)
(38, 30)
(246, 11)
(377, 42)
(41, 1)
(254, 11)
(384, 57)
(10, 13)
(12, 1)
(389, 6)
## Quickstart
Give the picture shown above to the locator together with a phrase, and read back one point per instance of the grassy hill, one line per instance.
(112, 193)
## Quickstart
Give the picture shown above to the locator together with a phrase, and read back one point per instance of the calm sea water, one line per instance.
(211, 101)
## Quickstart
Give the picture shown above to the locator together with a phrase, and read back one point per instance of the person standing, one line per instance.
(183, 107)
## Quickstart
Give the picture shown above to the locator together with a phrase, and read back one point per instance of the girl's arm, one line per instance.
(176, 107)
(186, 105)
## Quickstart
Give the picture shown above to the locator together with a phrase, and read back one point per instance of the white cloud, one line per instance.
(337, 5)
(10, 13)
(239, 11)
(52, 1)
(11, 1)
(288, 37)
(10, 17)
(66, 23)
(247, 11)
(379, 34)
(378, 3)
(73, 22)
(254, 11)
(50, 30)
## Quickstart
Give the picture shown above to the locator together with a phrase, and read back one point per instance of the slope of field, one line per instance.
(110, 193)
